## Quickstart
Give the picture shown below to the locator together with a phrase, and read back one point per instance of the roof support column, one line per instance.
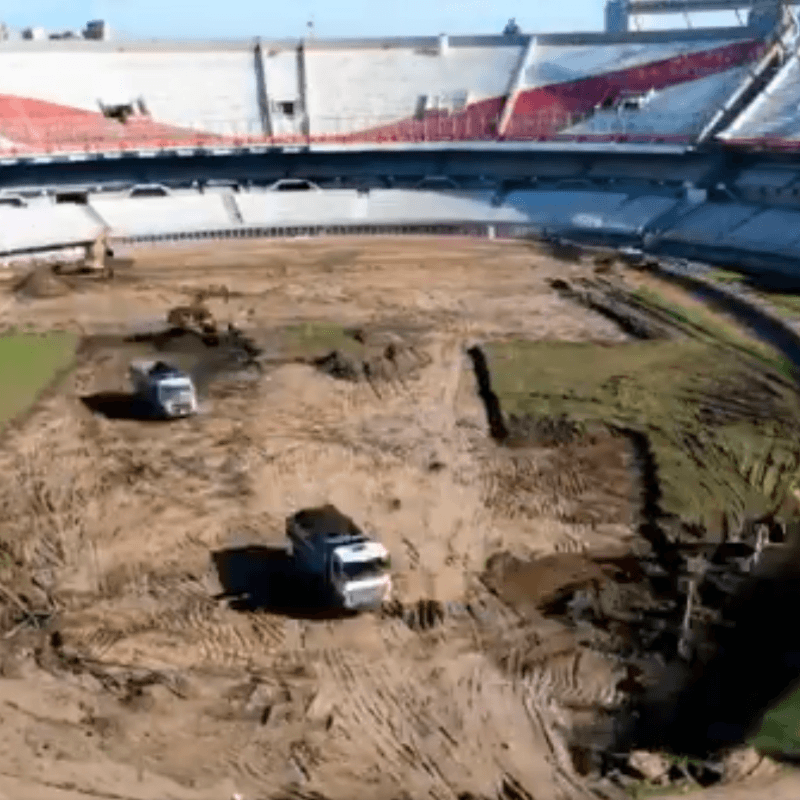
(261, 90)
(515, 85)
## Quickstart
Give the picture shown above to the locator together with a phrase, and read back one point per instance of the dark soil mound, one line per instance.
(41, 283)
(541, 582)
(372, 356)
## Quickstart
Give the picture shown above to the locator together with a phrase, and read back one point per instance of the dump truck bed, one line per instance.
(154, 368)
(323, 522)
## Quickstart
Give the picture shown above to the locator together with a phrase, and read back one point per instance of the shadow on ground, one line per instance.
(491, 404)
(706, 705)
(777, 282)
(263, 578)
(118, 405)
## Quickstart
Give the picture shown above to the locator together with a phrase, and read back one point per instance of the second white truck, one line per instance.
(166, 391)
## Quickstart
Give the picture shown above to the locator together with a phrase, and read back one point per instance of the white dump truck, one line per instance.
(167, 391)
(328, 548)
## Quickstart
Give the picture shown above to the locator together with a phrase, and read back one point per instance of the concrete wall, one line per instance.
(620, 212)
(709, 223)
(376, 207)
(681, 110)
(562, 63)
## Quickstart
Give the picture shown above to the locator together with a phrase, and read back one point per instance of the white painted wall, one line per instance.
(379, 206)
(348, 88)
(283, 85)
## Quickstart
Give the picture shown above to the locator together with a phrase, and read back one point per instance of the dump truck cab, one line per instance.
(167, 391)
(327, 546)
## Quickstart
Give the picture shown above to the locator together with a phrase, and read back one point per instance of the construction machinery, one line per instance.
(197, 318)
(329, 549)
(166, 391)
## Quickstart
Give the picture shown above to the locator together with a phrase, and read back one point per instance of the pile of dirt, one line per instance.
(543, 581)
(41, 283)
(381, 356)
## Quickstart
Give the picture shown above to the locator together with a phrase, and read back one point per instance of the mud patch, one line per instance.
(226, 356)
(544, 431)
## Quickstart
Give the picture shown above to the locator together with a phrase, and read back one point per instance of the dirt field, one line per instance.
(125, 671)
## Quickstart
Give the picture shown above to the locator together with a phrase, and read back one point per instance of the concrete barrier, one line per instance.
(709, 223)
(140, 216)
(44, 226)
(566, 208)
(375, 207)
(774, 231)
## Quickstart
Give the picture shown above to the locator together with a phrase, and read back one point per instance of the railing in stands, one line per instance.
(42, 137)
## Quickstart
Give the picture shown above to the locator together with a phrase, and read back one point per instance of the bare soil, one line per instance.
(126, 672)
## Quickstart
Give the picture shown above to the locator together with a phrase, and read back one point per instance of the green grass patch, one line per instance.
(29, 362)
(724, 276)
(308, 340)
(779, 732)
(788, 305)
(707, 325)
(721, 432)
(645, 791)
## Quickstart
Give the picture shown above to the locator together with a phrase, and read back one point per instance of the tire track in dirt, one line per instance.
(570, 543)
(388, 716)
(546, 719)
(512, 745)
(574, 680)
(441, 746)
(398, 718)
(204, 633)
(443, 449)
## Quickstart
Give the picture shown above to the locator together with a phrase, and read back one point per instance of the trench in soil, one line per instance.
(699, 681)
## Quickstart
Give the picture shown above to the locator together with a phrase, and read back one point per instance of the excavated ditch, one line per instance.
(696, 624)
(696, 618)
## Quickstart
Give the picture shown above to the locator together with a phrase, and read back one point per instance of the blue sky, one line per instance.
(270, 19)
